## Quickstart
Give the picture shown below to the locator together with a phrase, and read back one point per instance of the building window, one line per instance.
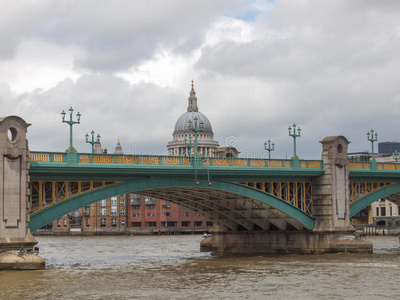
(102, 211)
(135, 199)
(103, 202)
(150, 200)
(113, 210)
(114, 201)
(136, 224)
(166, 214)
(122, 212)
(151, 224)
(198, 223)
(87, 222)
(381, 223)
(391, 211)
(102, 222)
(185, 223)
(377, 211)
(186, 214)
(135, 207)
(59, 222)
(122, 202)
(383, 211)
(87, 211)
(168, 224)
(150, 214)
(166, 206)
(135, 215)
(150, 206)
(209, 224)
(65, 222)
(198, 215)
(113, 222)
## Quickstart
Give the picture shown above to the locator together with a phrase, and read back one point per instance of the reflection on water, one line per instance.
(171, 267)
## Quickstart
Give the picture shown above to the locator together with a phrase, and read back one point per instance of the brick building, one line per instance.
(131, 213)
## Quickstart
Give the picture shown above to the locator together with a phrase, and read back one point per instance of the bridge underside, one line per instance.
(228, 210)
(395, 198)
(232, 206)
(390, 192)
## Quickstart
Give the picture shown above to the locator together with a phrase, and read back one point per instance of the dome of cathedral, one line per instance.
(182, 124)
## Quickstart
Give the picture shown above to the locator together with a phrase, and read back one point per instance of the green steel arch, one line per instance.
(62, 208)
(363, 202)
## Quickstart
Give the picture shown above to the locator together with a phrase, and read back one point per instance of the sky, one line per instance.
(331, 67)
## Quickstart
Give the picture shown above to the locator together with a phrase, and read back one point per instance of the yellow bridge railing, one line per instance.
(117, 159)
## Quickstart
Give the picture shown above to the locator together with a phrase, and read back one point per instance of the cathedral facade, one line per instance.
(183, 136)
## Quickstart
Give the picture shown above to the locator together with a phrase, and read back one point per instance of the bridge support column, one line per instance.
(331, 198)
(16, 241)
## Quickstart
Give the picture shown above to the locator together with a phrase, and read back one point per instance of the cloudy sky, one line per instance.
(332, 67)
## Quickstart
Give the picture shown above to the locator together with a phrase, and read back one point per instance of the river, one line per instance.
(172, 267)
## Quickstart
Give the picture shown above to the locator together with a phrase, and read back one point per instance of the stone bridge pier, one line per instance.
(16, 241)
(332, 231)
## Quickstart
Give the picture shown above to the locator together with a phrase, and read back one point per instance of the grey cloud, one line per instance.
(330, 66)
(113, 35)
(109, 105)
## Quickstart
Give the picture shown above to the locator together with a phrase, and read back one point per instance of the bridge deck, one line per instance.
(118, 159)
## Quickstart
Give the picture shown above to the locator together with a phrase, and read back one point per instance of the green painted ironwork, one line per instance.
(370, 198)
(271, 147)
(92, 142)
(296, 162)
(124, 172)
(196, 129)
(71, 152)
(396, 157)
(62, 208)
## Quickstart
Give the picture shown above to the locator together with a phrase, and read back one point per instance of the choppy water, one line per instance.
(172, 267)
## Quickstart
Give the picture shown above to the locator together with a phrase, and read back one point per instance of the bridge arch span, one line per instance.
(230, 205)
(370, 198)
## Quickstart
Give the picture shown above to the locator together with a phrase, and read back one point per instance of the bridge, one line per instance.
(59, 187)
(257, 205)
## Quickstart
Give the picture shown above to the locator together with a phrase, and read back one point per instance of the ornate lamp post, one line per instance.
(70, 123)
(92, 142)
(196, 129)
(294, 135)
(269, 149)
(395, 157)
(372, 137)
(189, 145)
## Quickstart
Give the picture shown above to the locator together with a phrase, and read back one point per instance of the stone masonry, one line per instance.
(16, 240)
(331, 190)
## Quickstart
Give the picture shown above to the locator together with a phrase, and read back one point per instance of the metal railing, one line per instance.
(118, 159)
(393, 166)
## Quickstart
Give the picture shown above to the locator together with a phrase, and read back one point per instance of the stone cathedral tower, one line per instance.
(182, 134)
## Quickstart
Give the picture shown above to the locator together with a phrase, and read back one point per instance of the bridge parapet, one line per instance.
(362, 165)
(121, 159)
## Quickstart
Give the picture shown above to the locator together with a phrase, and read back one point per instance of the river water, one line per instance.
(172, 267)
